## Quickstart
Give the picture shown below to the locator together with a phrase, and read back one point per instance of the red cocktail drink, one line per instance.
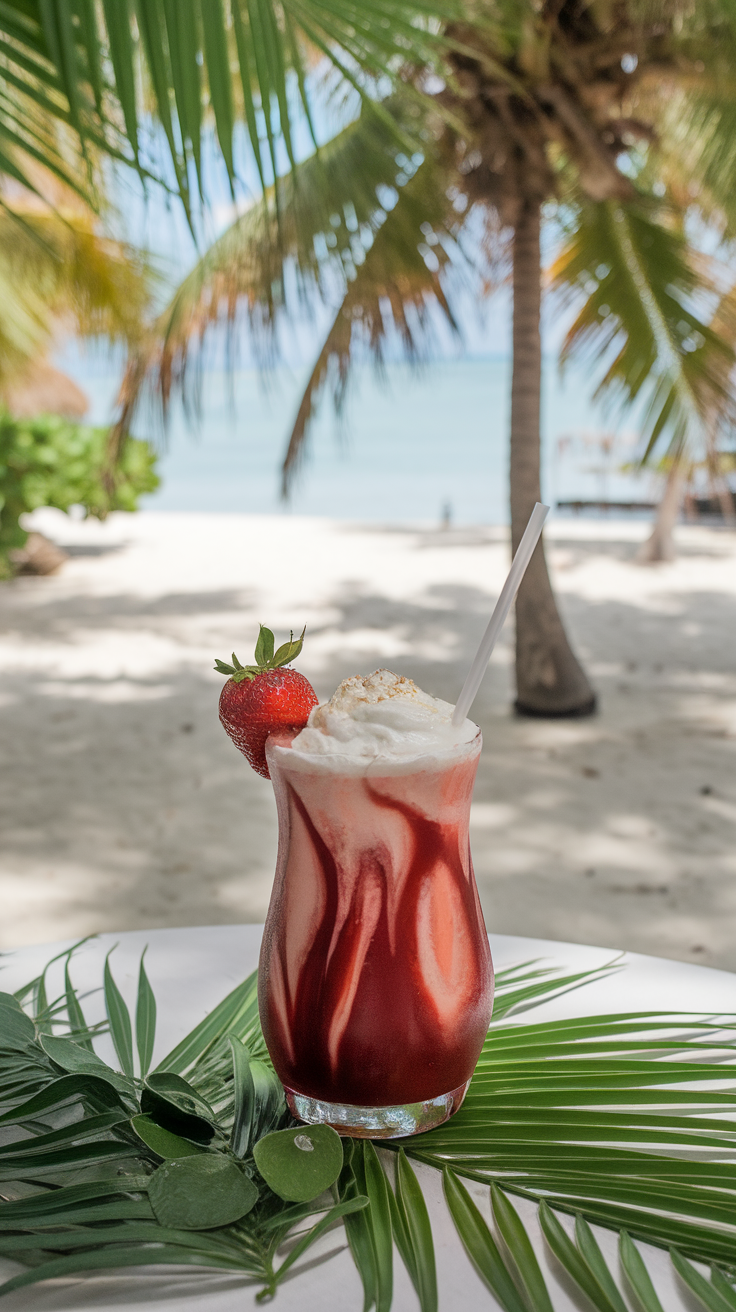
(376, 982)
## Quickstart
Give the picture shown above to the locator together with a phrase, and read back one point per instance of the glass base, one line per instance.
(377, 1122)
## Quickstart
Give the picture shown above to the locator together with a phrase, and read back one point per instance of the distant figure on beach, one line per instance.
(446, 519)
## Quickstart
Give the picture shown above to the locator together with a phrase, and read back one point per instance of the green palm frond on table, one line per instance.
(78, 1182)
(605, 1115)
(622, 1120)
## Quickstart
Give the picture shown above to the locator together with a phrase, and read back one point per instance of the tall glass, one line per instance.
(376, 981)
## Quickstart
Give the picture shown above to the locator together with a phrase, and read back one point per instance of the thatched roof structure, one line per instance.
(43, 389)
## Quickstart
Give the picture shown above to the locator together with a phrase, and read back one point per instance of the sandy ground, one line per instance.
(125, 806)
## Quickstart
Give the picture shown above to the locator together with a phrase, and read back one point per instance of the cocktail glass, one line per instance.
(375, 981)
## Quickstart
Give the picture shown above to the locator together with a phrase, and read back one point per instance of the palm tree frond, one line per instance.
(52, 93)
(88, 62)
(336, 232)
(643, 296)
(394, 287)
(623, 1119)
(694, 154)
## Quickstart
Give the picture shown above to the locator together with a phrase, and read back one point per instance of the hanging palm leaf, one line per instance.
(355, 225)
(97, 72)
(40, 123)
(642, 296)
(393, 288)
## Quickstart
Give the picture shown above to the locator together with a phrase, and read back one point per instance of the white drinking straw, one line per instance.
(523, 555)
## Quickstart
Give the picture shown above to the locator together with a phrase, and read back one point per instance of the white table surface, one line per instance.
(190, 971)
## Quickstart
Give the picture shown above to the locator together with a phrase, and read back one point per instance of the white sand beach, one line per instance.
(125, 806)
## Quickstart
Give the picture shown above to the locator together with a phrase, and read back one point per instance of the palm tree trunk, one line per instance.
(549, 680)
(720, 490)
(727, 502)
(660, 545)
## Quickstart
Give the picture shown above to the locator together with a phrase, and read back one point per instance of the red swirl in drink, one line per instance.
(376, 981)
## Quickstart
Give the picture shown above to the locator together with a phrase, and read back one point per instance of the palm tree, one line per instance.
(565, 109)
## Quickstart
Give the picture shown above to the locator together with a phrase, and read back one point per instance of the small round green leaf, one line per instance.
(200, 1193)
(300, 1163)
(163, 1142)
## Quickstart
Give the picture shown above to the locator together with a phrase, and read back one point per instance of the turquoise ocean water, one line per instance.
(406, 448)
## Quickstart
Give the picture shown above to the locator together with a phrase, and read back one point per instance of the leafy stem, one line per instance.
(265, 656)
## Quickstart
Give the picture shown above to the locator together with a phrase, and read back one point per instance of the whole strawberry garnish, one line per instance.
(259, 699)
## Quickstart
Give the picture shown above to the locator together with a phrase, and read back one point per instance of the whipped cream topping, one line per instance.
(381, 714)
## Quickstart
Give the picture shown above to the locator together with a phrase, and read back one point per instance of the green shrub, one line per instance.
(49, 461)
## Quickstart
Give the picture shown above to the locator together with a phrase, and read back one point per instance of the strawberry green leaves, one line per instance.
(264, 646)
(235, 669)
(300, 1164)
(201, 1193)
(289, 651)
(265, 656)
